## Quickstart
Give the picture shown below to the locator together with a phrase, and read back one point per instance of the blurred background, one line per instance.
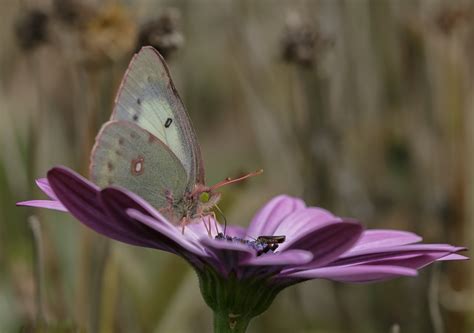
(364, 107)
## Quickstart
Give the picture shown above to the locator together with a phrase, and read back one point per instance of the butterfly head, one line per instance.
(207, 198)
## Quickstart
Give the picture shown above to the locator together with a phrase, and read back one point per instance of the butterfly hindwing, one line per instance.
(148, 98)
(129, 156)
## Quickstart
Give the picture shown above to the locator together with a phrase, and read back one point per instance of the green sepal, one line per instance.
(236, 301)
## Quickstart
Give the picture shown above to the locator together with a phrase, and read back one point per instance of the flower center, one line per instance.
(263, 244)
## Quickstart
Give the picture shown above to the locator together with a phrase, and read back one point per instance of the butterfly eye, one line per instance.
(204, 197)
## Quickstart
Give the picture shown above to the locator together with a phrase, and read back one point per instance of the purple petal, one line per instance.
(118, 202)
(382, 238)
(269, 216)
(327, 242)
(374, 254)
(236, 231)
(127, 199)
(217, 245)
(300, 222)
(81, 199)
(286, 258)
(203, 227)
(54, 204)
(453, 256)
(409, 261)
(168, 235)
(355, 274)
(43, 184)
(228, 255)
(50, 204)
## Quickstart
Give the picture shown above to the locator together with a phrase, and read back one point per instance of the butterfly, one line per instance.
(149, 145)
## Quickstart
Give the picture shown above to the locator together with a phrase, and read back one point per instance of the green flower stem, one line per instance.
(230, 322)
(236, 301)
(39, 267)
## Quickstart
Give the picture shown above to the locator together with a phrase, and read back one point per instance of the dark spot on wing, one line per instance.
(110, 166)
(120, 141)
(135, 117)
(137, 166)
(139, 101)
(168, 122)
(133, 135)
(118, 153)
(149, 78)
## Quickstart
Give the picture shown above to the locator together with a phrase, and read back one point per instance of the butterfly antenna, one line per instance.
(229, 180)
(223, 216)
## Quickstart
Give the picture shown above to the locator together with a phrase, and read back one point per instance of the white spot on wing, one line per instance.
(137, 166)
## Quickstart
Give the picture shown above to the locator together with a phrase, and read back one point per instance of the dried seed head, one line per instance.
(32, 29)
(72, 12)
(301, 42)
(109, 35)
(448, 19)
(162, 33)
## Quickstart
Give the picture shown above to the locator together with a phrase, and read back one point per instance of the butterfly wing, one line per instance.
(129, 156)
(148, 98)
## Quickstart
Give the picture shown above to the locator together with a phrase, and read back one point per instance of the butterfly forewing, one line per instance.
(129, 156)
(148, 98)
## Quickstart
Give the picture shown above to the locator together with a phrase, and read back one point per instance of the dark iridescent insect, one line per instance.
(262, 244)
(270, 242)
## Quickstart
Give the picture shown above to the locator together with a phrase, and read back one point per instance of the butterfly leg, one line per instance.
(209, 222)
(207, 225)
(168, 210)
(209, 214)
(184, 222)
